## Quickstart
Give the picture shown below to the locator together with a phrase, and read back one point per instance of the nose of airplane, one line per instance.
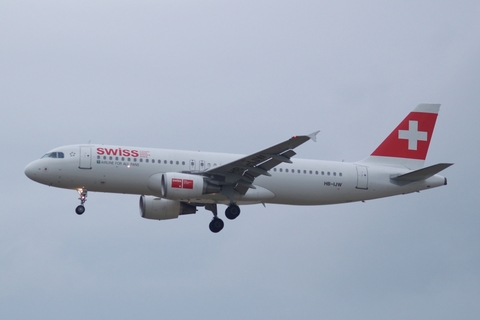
(31, 171)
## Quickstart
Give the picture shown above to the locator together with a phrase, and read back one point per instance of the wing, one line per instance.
(241, 173)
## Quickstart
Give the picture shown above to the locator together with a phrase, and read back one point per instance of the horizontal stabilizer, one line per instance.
(422, 174)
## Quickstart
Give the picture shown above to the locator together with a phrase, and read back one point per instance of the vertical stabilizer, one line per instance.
(407, 145)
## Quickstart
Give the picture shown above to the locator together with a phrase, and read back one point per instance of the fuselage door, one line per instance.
(85, 158)
(362, 177)
(192, 165)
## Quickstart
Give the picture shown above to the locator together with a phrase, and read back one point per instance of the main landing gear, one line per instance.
(83, 197)
(232, 212)
(216, 225)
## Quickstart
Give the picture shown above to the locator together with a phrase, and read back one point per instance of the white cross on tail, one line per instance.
(412, 135)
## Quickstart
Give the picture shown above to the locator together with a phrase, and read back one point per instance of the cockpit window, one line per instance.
(54, 155)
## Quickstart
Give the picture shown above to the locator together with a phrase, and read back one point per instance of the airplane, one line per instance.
(175, 182)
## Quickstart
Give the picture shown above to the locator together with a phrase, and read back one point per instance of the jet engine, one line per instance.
(177, 186)
(163, 209)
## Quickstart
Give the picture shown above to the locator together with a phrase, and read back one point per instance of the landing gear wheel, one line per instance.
(83, 198)
(80, 209)
(216, 225)
(232, 212)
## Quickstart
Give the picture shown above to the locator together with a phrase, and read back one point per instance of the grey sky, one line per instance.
(238, 77)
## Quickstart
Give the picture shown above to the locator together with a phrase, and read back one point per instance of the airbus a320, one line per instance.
(174, 182)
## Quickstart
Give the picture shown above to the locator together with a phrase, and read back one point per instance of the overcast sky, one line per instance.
(238, 77)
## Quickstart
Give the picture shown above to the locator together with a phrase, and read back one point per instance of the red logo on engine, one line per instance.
(187, 184)
(177, 183)
(182, 183)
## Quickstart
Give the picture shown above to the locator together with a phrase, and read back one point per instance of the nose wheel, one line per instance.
(80, 209)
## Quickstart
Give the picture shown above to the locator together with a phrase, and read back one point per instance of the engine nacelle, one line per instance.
(163, 209)
(176, 185)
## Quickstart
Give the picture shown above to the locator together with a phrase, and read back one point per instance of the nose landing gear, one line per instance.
(80, 209)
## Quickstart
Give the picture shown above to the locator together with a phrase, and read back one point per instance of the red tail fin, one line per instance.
(408, 144)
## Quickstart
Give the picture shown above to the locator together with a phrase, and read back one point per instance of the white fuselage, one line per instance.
(303, 182)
